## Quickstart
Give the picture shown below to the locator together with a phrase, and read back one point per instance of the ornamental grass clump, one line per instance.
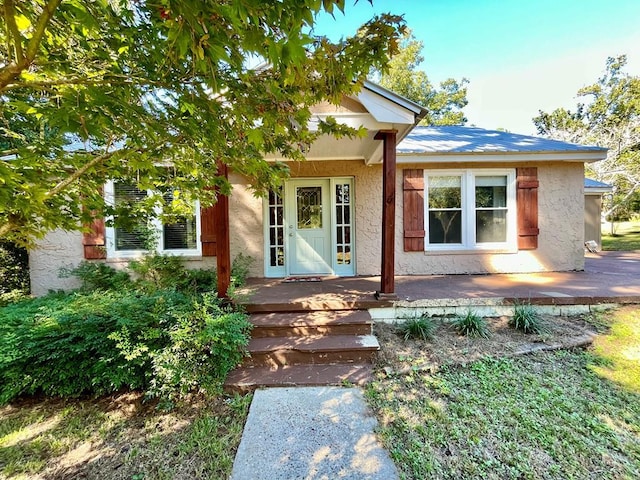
(420, 328)
(526, 318)
(471, 325)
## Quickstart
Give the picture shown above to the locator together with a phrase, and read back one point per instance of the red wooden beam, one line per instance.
(387, 282)
(223, 253)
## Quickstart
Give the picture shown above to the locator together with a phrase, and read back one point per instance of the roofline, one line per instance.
(419, 111)
(566, 155)
(597, 190)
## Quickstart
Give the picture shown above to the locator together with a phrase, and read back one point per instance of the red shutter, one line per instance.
(527, 199)
(413, 210)
(208, 232)
(94, 242)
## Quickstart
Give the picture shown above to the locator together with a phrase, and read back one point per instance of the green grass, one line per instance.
(555, 415)
(619, 350)
(626, 236)
(120, 437)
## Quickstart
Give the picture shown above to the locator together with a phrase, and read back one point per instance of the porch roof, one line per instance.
(464, 144)
(377, 109)
(594, 187)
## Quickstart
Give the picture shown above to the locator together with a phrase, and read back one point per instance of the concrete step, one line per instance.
(341, 322)
(311, 349)
(243, 380)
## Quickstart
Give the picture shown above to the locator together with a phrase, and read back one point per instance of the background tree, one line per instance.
(114, 89)
(404, 77)
(610, 117)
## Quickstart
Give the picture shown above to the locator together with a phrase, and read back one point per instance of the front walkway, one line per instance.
(609, 277)
(311, 433)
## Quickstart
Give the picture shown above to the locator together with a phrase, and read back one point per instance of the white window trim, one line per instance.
(110, 233)
(468, 212)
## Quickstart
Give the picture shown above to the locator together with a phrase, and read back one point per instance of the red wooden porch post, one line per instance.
(223, 254)
(387, 283)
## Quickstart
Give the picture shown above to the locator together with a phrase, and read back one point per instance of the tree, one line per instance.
(403, 77)
(157, 94)
(609, 117)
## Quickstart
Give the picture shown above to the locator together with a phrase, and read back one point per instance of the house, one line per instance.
(404, 200)
(593, 193)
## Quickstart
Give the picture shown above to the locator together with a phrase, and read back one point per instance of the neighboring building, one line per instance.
(456, 200)
(593, 193)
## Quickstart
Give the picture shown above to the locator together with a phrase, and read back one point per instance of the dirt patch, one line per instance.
(447, 347)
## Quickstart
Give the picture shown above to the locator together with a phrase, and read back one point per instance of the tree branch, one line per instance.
(79, 172)
(10, 18)
(11, 71)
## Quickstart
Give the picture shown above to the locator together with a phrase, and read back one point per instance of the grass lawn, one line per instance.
(564, 414)
(120, 437)
(626, 236)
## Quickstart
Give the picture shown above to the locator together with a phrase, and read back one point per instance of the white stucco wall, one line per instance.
(57, 250)
(560, 220)
(60, 249)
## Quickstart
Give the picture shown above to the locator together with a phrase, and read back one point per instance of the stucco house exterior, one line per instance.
(593, 194)
(405, 200)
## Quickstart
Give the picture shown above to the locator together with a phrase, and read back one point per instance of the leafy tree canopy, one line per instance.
(404, 77)
(158, 93)
(608, 116)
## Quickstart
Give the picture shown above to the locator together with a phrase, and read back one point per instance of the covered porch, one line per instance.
(608, 278)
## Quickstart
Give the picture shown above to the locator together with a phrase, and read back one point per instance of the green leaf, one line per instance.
(22, 22)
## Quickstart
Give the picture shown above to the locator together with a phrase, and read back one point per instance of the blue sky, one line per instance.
(519, 56)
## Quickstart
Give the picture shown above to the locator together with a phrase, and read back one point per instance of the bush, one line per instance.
(421, 328)
(99, 342)
(206, 343)
(155, 271)
(14, 269)
(98, 276)
(472, 325)
(526, 318)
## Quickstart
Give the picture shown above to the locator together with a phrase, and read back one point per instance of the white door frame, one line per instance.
(343, 263)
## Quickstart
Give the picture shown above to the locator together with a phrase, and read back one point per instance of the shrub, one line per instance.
(421, 328)
(240, 269)
(155, 271)
(98, 276)
(472, 325)
(14, 269)
(526, 318)
(207, 342)
(99, 342)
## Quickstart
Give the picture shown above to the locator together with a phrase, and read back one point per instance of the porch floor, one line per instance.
(609, 277)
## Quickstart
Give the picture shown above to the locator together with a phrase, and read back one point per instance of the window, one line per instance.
(470, 209)
(178, 237)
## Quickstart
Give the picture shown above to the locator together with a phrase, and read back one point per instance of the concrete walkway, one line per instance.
(311, 433)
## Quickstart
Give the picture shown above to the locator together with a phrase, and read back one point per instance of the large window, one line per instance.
(178, 236)
(470, 209)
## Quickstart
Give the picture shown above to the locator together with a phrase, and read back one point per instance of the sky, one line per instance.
(520, 56)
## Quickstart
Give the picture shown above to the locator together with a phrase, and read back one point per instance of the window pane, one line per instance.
(444, 192)
(132, 237)
(129, 239)
(445, 227)
(491, 192)
(180, 235)
(491, 226)
(309, 200)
